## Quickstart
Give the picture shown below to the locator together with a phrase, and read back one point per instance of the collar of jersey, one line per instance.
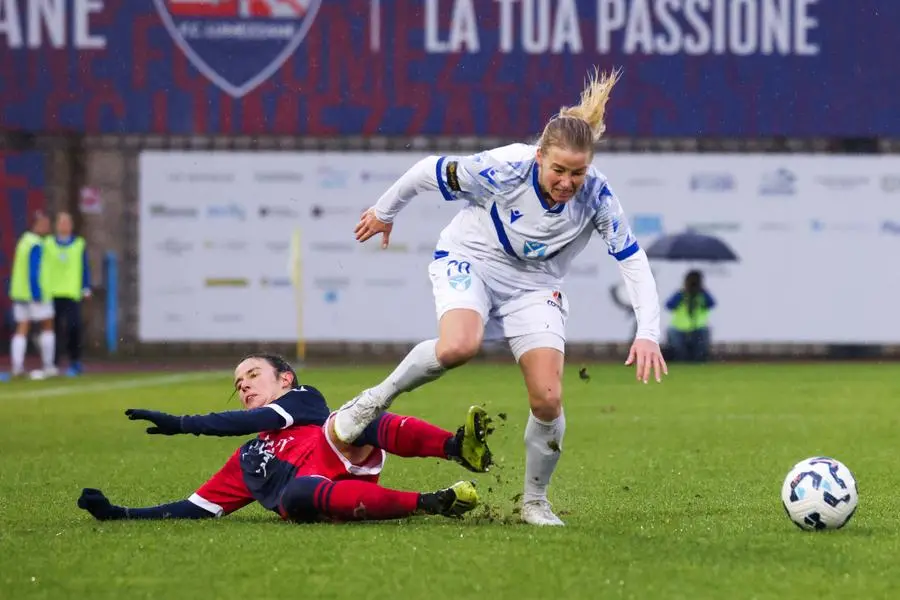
(537, 190)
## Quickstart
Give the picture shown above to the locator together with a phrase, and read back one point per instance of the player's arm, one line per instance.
(674, 300)
(224, 493)
(302, 406)
(454, 177)
(86, 274)
(96, 503)
(34, 273)
(610, 222)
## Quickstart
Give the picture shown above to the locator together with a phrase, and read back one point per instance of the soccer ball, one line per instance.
(819, 493)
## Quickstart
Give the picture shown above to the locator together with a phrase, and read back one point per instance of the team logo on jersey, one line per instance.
(515, 215)
(534, 249)
(237, 44)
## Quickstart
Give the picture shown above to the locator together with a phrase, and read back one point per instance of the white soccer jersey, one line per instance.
(507, 228)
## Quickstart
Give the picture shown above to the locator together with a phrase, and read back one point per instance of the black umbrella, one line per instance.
(690, 245)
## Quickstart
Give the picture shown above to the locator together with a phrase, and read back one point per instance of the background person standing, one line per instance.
(31, 299)
(69, 281)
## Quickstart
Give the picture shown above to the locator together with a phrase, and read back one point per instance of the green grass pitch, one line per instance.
(668, 491)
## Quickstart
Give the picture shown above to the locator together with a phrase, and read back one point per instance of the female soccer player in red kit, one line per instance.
(297, 467)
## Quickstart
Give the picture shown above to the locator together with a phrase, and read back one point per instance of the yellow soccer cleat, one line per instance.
(454, 501)
(471, 448)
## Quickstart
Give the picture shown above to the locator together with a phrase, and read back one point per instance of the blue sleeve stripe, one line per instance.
(34, 273)
(501, 232)
(629, 251)
(86, 273)
(441, 185)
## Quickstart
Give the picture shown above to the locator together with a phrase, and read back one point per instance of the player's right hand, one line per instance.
(165, 424)
(369, 226)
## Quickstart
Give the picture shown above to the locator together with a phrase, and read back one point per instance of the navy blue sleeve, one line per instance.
(233, 422)
(34, 274)
(183, 509)
(86, 273)
(710, 301)
(302, 406)
(674, 300)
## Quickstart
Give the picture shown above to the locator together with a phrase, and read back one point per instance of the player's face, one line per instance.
(562, 172)
(42, 225)
(258, 384)
(63, 225)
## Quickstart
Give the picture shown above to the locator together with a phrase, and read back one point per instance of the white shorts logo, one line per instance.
(462, 280)
(461, 283)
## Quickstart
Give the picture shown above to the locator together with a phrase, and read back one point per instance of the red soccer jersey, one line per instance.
(260, 469)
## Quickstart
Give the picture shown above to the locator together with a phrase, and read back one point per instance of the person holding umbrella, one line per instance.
(688, 332)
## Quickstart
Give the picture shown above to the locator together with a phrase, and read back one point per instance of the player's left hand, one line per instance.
(165, 424)
(646, 356)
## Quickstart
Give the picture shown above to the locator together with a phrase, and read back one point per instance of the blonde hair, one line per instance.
(580, 127)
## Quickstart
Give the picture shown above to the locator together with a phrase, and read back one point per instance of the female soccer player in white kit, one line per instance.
(500, 263)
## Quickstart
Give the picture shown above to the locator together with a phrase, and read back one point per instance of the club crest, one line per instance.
(238, 44)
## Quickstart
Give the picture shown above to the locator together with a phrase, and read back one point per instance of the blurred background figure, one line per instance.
(31, 300)
(688, 334)
(69, 282)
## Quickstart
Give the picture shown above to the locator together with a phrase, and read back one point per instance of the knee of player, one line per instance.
(546, 402)
(298, 501)
(457, 348)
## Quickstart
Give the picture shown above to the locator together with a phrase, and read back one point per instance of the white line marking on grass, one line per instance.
(73, 388)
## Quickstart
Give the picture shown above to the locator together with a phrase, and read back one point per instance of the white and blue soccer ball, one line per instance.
(819, 493)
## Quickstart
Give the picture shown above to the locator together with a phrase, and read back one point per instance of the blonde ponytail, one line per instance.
(579, 127)
(592, 107)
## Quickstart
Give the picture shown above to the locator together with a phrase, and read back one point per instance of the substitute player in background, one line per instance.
(32, 302)
(530, 209)
(295, 468)
(69, 278)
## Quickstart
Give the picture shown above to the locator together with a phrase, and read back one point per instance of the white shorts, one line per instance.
(528, 319)
(24, 312)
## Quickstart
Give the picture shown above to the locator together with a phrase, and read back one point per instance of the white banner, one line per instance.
(815, 236)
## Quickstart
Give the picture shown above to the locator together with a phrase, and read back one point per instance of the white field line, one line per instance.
(73, 388)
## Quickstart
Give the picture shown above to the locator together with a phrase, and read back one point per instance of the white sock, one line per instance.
(48, 348)
(17, 353)
(543, 445)
(419, 367)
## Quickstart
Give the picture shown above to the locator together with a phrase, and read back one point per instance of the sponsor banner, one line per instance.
(447, 67)
(221, 247)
